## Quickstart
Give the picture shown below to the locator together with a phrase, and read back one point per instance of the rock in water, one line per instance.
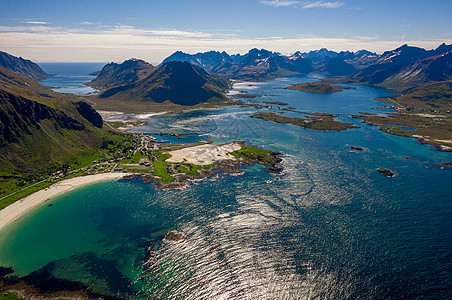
(174, 236)
(357, 148)
(386, 172)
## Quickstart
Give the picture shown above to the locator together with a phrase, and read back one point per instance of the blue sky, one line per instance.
(109, 30)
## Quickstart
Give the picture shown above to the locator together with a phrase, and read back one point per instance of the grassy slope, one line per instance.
(44, 149)
(159, 164)
(256, 155)
(321, 122)
(425, 108)
(318, 87)
(9, 296)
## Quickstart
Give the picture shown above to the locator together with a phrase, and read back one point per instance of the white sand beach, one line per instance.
(20, 207)
(204, 154)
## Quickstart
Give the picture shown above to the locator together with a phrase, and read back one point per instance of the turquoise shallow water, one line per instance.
(329, 227)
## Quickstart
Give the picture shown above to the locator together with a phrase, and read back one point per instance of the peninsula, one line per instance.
(315, 121)
(174, 165)
(318, 87)
(168, 165)
(422, 113)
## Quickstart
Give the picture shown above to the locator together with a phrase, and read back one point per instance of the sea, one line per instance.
(328, 227)
(70, 77)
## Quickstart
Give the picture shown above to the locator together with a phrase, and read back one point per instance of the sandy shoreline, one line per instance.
(204, 154)
(22, 206)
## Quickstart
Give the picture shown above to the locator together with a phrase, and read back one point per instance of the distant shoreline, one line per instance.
(14, 211)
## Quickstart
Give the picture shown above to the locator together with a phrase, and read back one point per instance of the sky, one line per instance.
(110, 30)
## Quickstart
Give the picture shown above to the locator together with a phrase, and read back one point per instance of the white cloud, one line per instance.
(365, 37)
(90, 23)
(323, 4)
(281, 3)
(26, 29)
(303, 4)
(159, 32)
(37, 22)
(45, 43)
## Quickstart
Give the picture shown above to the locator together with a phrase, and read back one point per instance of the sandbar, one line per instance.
(22, 206)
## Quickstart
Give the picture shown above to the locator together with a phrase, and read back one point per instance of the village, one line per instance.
(136, 155)
(169, 164)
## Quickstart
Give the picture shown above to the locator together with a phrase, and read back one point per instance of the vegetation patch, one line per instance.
(160, 170)
(243, 95)
(423, 113)
(268, 158)
(318, 87)
(276, 103)
(316, 121)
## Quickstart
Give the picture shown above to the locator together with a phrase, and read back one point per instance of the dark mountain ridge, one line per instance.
(407, 66)
(128, 72)
(206, 60)
(338, 67)
(22, 66)
(177, 82)
(320, 55)
(262, 64)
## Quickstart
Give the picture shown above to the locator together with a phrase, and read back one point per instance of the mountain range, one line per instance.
(190, 79)
(406, 67)
(263, 64)
(254, 65)
(41, 130)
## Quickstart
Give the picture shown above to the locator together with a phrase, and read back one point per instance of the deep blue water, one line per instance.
(329, 227)
(70, 77)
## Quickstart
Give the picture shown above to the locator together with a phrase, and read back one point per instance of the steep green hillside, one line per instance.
(22, 66)
(42, 134)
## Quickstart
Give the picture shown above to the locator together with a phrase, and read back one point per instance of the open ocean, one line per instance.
(70, 77)
(329, 227)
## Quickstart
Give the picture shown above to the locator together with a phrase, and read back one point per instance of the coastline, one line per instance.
(14, 211)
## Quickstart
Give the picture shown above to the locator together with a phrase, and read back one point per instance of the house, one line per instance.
(145, 162)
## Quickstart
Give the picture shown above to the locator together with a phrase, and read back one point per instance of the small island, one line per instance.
(276, 103)
(174, 165)
(245, 95)
(174, 236)
(315, 121)
(422, 113)
(318, 87)
(386, 172)
(357, 148)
